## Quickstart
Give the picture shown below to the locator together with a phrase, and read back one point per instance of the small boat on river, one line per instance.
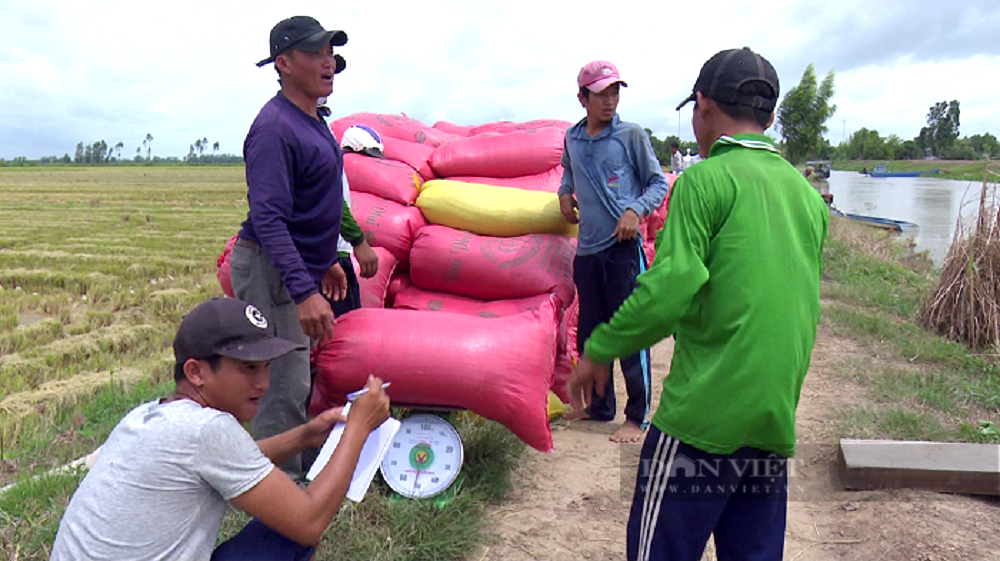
(877, 222)
(883, 171)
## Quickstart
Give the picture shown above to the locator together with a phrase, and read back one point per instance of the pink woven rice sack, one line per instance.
(417, 156)
(488, 268)
(452, 128)
(389, 179)
(547, 181)
(513, 154)
(509, 126)
(413, 298)
(224, 274)
(399, 127)
(387, 224)
(500, 368)
(374, 289)
(399, 282)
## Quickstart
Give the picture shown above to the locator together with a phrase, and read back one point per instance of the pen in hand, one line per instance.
(354, 395)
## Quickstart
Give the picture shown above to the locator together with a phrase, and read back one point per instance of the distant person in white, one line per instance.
(690, 160)
(676, 159)
(159, 488)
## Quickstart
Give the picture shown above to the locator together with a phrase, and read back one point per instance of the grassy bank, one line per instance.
(921, 386)
(97, 266)
(968, 170)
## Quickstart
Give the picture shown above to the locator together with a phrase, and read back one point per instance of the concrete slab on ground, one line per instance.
(935, 466)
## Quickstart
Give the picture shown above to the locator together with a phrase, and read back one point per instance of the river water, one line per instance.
(932, 204)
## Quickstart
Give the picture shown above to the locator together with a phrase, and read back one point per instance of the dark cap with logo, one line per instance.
(231, 328)
(725, 74)
(306, 34)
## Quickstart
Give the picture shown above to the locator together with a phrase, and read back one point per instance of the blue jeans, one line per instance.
(283, 407)
(257, 542)
(683, 495)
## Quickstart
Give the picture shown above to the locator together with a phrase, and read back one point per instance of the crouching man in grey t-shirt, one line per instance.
(160, 485)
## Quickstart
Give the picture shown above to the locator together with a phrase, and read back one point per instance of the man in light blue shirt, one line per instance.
(613, 179)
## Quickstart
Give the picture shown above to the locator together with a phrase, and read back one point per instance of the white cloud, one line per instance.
(895, 100)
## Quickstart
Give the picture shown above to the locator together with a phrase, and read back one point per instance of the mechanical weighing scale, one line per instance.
(424, 457)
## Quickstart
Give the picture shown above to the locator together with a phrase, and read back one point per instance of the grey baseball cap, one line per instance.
(231, 328)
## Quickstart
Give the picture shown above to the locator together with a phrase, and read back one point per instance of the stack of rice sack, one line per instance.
(475, 321)
(467, 222)
(651, 225)
(383, 191)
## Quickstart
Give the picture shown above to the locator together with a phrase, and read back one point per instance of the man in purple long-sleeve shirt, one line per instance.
(287, 249)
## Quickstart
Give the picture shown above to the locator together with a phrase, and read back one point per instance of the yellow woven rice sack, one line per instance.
(556, 407)
(489, 210)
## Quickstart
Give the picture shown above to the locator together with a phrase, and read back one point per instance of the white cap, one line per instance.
(363, 139)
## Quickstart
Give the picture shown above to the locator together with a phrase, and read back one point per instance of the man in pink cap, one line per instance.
(612, 179)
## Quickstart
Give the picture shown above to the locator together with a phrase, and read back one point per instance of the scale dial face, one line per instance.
(424, 458)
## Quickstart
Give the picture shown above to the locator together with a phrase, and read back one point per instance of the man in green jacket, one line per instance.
(736, 283)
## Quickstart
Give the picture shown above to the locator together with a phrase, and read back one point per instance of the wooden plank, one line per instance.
(936, 466)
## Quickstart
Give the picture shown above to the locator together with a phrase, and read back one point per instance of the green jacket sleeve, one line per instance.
(349, 228)
(667, 290)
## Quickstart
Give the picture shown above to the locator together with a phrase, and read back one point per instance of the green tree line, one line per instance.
(806, 108)
(101, 153)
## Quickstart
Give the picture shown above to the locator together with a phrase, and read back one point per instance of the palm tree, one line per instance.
(149, 143)
(118, 149)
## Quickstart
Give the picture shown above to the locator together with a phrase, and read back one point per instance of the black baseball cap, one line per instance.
(306, 34)
(231, 328)
(725, 73)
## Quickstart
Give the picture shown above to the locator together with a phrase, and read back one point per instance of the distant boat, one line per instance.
(877, 222)
(883, 171)
(820, 168)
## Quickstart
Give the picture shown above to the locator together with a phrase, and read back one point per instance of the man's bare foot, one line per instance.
(576, 415)
(628, 432)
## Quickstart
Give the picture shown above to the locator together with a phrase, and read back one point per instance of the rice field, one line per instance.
(97, 265)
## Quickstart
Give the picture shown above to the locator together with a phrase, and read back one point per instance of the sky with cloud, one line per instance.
(183, 70)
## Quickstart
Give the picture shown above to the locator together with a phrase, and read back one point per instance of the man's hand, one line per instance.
(568, 206)
(316, 317)
(588, 377)
(628, 226)
(335, 284)
(367, 258)
(318, 429)
(372, 408)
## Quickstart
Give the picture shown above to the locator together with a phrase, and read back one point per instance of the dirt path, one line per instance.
(573, 503)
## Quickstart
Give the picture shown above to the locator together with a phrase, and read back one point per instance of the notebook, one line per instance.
(369, 461)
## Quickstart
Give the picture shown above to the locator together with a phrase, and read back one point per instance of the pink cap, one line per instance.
(598, 75)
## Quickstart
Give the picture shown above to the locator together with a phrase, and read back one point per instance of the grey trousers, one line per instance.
(283, 407)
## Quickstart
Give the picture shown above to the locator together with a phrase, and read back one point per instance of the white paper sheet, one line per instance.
(369, 461)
